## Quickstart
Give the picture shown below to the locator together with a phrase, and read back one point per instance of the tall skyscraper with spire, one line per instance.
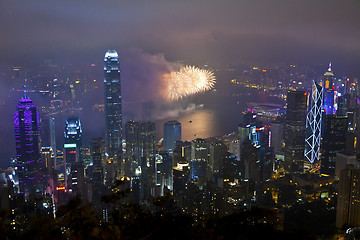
(313, 124)
(328, 78)
(112, 105)
(329, 92)
(27, 138)
(73, 141)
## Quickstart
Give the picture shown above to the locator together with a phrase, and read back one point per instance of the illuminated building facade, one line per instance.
(27, 138)
(52, 134)
(260, 136)
(163, 170)
(313, 124)
(73, 161)
(329, 104)
(328, 78)
(112, 105)
(73, 141)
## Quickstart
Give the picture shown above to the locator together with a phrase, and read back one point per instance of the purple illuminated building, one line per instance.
(27, 137)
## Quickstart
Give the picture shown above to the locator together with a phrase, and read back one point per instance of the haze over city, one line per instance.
(206, 31)
(179, 119)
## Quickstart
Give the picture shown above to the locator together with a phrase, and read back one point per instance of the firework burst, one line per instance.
(187, 81)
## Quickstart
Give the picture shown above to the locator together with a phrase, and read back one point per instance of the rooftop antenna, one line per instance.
(25, 89)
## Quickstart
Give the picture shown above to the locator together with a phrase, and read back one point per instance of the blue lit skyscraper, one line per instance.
(112, 105)
(73, 140)
(27, 137)
(172, 133)
(73, 159)
(329, 78)
(329, 92)
(313, 124)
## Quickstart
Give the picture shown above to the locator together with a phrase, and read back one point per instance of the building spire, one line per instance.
(329, 67)
(25, 91)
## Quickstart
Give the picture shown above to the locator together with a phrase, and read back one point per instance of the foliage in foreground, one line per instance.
(159, 220)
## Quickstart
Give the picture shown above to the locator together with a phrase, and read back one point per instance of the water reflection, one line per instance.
(201, 123)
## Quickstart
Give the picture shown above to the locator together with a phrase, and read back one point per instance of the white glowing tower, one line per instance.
(313, 124)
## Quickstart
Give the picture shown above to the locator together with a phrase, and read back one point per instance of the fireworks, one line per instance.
(187, 81)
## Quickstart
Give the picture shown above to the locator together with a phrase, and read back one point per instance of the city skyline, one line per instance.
(179, 120)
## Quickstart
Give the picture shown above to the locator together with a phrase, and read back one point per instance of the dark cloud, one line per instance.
(211, 31)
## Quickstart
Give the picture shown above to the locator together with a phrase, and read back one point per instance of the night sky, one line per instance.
(208, 31)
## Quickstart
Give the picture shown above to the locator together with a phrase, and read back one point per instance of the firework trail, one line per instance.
(187, 81)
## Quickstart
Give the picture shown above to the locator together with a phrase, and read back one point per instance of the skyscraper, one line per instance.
(313, 124)
(27, 137)
(329, 93)
(348, 203)
(334, 141)
(112, 105)
(199, 164)
(98, 159)
(52, 134)
(147, 144)
(140, 157)
(72, 153)
(73, 140)
(45, 130)
(147, 153)
(217, 152)
(172, 133)
(277, 133)
(132, 147)
(295, 131)
(328, 78)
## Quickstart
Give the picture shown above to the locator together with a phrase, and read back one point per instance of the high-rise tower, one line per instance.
(348, 202)
(147, 152)
(172, 133)
(132, 147)
(329, 104)
(98, 156)
(334, 141)
(27, 137)
(73, 140)
(328, 78)
(72, 154)
(112, 105)
(295, 131)
(313, 124)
